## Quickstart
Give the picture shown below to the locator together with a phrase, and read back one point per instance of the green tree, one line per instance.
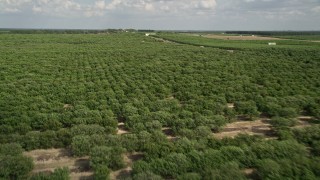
(189, 176)
(32, 140)
(101, 172)
(107, 156)
(15, 167)
(153, 125)
(48, 139)
(84, 129)
(11, 149)
(268, 169)
(280, 122)
(227, 171)
(248, 108)
(59, 173)
(81, 145)
(146, 176)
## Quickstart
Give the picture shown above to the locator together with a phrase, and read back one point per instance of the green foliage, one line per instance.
(278, 149)
(32, 140)
(11, 149)
(268, 169)
(81, 145)
(154, 125)
(280, 122)
(232, 153)
(294, 168)
(248, 108)
(202, 132)
(130, 142)
(15, 166)
(106, 156)
(309, 136)
(140, 167)
(101, 172)
(227, 171)
(189, 176)
(288, 112)
(83, 129)
(72, 90)
(58, 174)
(147, 176)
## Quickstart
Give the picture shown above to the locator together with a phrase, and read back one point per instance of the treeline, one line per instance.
(63, 31)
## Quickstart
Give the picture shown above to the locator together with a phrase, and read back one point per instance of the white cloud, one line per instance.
(207, 4)
(149, 7)
(11, 10)
(48, 7)
(316, 9)
(163, 5)
(162, 14)
(14, 2)
(100, 5)
(37, 9)
(114, 4)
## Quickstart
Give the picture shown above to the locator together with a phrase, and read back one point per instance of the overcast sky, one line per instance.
(162, 14)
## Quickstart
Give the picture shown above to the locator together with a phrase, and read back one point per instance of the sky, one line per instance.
(162, 14)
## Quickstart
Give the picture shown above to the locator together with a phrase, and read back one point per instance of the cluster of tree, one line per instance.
(103, 157)
(63, 31)
(59, 173)
(73, 90)
(13, 165)
(40, 140)
(289, 159)
(309, 136)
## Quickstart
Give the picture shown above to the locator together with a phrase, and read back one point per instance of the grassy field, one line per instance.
(169, 106)
(224, 43)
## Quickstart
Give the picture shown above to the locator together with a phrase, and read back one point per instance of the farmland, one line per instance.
(167, 106)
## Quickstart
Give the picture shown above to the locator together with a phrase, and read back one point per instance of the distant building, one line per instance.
(272, 43)
(149, 34)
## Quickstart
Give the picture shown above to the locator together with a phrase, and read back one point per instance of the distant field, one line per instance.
(238, 37)
(302, 37)
(236, 41)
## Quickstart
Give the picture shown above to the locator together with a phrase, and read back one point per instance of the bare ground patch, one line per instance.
(67, 106)
(230, 105)
(226, 37)
(303, 121)
(261, 127)
(251, 173)
(258, 127)
(121, 129)
(169, 133)
(50, 159)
